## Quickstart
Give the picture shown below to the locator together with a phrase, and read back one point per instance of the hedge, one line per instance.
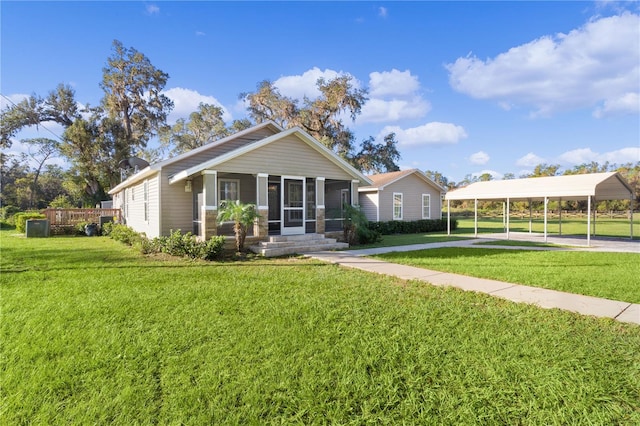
(414, 227)
(21, 220)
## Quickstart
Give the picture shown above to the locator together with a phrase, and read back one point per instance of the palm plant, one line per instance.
(242, 215)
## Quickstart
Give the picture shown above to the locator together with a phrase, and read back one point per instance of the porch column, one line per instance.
(354, 192)
(210, 206)
(261, 225)
(320, 209)
(448, 217)
(530, 216)
(631, 217)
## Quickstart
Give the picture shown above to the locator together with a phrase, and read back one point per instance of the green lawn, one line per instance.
(408, 239)
(609, 275)
(605, 227)
(94, 333)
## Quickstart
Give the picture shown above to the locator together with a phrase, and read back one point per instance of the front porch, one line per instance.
(287, 205)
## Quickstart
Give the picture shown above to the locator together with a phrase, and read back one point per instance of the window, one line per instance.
(145, 198)
(426, 206)
(397, 206)
(229, 189)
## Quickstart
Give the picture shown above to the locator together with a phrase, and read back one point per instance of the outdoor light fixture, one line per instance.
(187, 186)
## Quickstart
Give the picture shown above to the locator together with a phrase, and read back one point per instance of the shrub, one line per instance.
(7, 212)
(413, 227)
(124, 234)
(355, 228)
(21, 220)
(213, 248)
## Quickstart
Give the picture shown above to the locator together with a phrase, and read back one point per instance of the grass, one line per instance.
(94, 333)
(605, 227)
(515, 243)
(608, 275)
(408, 239)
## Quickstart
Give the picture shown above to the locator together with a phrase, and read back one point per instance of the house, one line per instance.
(297, 184)
(405, 195)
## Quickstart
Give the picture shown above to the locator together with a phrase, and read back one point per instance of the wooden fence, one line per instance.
(62, 218)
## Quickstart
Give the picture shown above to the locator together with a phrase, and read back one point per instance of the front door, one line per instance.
(293, 196)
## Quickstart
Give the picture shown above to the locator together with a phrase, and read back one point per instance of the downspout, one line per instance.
(475, 218)
(589, 221)
(546, 200)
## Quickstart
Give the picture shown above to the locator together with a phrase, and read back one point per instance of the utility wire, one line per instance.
(37, 124)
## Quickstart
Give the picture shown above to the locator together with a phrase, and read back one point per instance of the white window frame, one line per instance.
(427, 205)
(221, 185)
(145, 199)
(397, 217)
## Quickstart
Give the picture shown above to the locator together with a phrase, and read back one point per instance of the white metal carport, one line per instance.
(592, 187)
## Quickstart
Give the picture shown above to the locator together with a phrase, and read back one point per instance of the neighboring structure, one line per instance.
(590, 187)
(406, 195)
(297, 184)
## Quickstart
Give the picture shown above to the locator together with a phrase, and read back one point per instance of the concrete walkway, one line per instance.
(585, 305)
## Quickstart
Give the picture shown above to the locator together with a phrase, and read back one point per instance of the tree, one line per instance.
(59, 106)
(204, 126)
(378, 158)
(545, 170)
(12, 169)
(322, 118)
(243, 216)
(43, 150)
(133, 94)
(438, 178)
(485, 177)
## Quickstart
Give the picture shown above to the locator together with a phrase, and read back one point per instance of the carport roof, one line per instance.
(602, 186)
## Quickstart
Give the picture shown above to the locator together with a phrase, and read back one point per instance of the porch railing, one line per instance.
(72, 217)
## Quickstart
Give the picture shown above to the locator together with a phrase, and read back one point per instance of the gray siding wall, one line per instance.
(412, 187)
(368, 205)
(176, 208)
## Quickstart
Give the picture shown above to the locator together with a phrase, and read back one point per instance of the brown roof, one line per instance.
(381, 180)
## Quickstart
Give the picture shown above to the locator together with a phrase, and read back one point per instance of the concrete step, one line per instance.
(282, 251)
(283, 245)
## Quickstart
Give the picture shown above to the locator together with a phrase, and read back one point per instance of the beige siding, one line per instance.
(368, 205)
(412, 187)
(176, 208)
(289, 156)
(135, 207)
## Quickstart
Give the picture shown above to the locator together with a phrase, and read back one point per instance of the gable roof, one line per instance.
(295, 131)
(381, 180)
(218, 145)
(604, 186)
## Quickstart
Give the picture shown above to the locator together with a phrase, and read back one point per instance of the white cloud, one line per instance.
(393, 96)
(479, 157)
(434, 133)
(598, 63)
(587, 155)
(152, 9)
(382, 12)
(299, 86)
(380, 110)
(186, 101)
(629, 103)
(200, 33)
(392, 83)
(530, 160)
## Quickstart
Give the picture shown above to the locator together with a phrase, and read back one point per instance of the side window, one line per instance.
(426, 206)
(397, 206)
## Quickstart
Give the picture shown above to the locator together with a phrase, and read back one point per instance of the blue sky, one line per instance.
(468, 87)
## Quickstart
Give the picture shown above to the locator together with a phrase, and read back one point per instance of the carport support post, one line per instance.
(631, 217)
(475, 218)
(530, 216)
(589, 221)
(560, 216)
(546, 200)
(448, 217)
(507, 217)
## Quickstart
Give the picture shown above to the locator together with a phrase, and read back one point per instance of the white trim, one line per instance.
(320, 178)
(393, 206)
(210, 208)
(263, 175)
(297, 229)
(145, 201)
(209, 172)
